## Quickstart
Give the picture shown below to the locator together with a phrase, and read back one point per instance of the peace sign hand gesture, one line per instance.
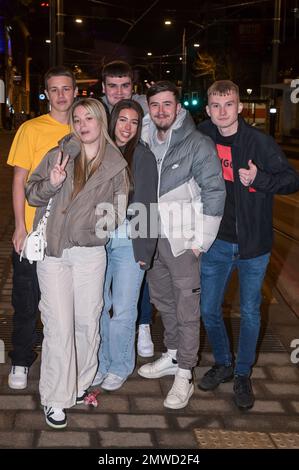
(58, 173)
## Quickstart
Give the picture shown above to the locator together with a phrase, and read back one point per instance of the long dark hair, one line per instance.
(128, 150)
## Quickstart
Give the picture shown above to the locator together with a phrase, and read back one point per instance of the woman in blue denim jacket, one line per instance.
(130, 250)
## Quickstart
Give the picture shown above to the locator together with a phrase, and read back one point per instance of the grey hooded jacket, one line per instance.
(73, 222)
(191, 189)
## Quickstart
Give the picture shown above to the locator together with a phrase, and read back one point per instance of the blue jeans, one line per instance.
(145, 307)
(121, 292)
(216, 268)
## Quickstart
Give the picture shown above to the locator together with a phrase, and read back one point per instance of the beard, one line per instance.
(163, 127)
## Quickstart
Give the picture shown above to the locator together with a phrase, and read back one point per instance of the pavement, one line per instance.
(134, 417)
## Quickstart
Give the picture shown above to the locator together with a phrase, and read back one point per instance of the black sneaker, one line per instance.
(244, 398)
(215, 376)
(80, 399)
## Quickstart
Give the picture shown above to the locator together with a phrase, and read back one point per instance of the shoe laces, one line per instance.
(163, 357)
(143, 327)
(25, 369)
(144, 332)
(50, 411)
(213, 371)
(113, 377)
(179, 386)
(243, 385)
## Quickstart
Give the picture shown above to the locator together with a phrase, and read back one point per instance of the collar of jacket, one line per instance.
(209, 128)
(107, 105)
(113, 161)
(112, 164)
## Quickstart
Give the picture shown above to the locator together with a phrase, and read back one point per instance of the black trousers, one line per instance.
(25, 299)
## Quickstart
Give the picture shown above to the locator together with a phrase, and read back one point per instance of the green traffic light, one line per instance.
(186, 103)
(194, 102)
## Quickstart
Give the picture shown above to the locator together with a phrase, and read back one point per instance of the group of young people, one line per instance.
(102, 163)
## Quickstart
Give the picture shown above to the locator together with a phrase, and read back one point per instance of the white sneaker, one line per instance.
(18, 377)
(180, 392)
(165, 365)
(145, 346)
(55, 417)
(113, 382)
(99, 378)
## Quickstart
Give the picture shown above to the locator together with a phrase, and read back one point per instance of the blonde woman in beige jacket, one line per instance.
(84, 172)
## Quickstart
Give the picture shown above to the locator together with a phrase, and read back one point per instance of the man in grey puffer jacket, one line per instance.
(191, 196)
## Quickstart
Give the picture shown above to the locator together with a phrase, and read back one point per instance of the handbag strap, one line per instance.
(47, 213)
(41, 227)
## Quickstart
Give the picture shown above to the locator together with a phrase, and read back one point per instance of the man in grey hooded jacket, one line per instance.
(191, 196)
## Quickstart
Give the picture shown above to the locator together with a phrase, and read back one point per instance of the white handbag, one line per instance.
(35, 243)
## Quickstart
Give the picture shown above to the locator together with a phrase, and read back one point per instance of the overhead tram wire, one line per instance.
(134, 24)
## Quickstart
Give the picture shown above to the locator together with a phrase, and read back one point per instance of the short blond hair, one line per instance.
(223, 87)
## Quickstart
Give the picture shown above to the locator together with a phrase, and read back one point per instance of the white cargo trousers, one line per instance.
(71, 303)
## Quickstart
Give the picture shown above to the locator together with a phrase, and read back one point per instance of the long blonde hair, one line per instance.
(83, 170)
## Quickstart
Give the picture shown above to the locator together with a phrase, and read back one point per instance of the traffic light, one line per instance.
(186, 100)
(194, 100)
(191, 100)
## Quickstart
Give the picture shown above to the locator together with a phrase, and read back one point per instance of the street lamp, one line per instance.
(272, 119)
(184, 60)
(60, 33)
(184, 53)
(56, 32)
(249, 91)
(275, 57)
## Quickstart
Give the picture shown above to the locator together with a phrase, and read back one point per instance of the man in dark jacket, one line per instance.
(117, 85)
(254, 169)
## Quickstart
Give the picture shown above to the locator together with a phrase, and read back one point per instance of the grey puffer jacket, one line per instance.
(191, 189)
(73, 223)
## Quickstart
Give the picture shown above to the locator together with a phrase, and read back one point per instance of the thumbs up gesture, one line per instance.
(247, 176)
